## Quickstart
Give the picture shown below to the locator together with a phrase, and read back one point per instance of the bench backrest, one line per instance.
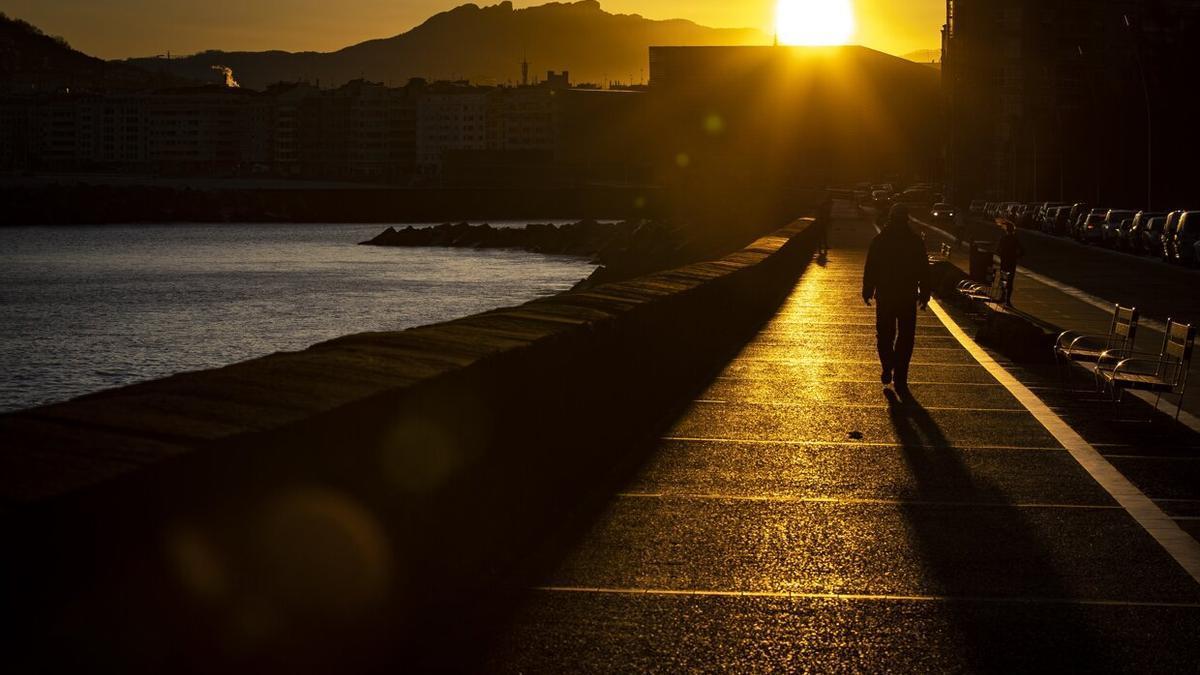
(1177, 352)
(1123, 333)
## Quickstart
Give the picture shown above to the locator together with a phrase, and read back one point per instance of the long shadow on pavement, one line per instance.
(947, 549)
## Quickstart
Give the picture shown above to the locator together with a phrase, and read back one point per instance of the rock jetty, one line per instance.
(622, 250)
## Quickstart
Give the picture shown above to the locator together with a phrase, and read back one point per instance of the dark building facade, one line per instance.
(1070, 100)
(806, 116)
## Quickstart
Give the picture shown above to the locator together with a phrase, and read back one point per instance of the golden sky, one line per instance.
(120, 28)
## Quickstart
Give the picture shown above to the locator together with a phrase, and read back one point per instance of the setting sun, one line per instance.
(814, 22)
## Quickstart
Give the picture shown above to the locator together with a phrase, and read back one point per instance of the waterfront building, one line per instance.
(1036, 91)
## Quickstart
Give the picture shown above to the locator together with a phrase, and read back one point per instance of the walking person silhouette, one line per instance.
(1010, 251)
(822, 223)
(896, 277)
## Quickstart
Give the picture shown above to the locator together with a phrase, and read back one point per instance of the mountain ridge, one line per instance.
(486, 45)
(31, 61)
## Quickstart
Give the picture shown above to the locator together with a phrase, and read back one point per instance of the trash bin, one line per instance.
(981, 260)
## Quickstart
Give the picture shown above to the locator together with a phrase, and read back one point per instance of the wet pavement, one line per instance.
(1161, 458)
(800, 517)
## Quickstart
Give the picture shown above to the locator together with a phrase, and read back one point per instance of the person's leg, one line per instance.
(906, 340)
(1008, 287)
(885, 337)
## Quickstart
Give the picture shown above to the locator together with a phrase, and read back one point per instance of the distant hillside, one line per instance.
(30, 60)
(483, 44)
(925, 56)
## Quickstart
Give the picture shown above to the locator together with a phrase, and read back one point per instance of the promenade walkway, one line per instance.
(799, 517)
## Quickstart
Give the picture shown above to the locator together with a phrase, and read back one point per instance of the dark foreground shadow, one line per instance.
(976, 546)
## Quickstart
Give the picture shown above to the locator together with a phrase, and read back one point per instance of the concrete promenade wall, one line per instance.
(364, 500)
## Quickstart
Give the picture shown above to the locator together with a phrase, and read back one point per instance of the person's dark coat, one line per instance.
(1010, 251)
(897, 269)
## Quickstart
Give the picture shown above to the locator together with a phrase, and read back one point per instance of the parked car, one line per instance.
(1076, 215)
(1045, 209)
(1111, 232)
(1092, 229)
(1012, 211)
(977, 207)
(1168, 235)
(1183, 246)
(1079, 229)
(1046, 224)
(1150, 236)
(1056, 220)
(1134, 239)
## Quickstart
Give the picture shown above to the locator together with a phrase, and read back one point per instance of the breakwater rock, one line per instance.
(584, 238)
(623, 250)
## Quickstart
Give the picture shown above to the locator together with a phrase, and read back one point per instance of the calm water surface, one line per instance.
(88, 308)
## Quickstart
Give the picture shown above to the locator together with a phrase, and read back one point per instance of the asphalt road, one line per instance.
(800, 517)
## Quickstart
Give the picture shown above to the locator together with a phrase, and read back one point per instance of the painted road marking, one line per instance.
(792, 499)
(816, 361)
(1165, 458)
(805, 403)
(1179, 544)
(785, 595)
(911, 383)
(852, 442)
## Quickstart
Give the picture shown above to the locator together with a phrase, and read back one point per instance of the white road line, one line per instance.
(817, 361)
(784, 595)
(1179, 544)
(790, 499)
(852, 442)
(911, 383)
(805, 403)
(1162, 458)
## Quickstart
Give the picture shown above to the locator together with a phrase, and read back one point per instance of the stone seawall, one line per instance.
(364, 500)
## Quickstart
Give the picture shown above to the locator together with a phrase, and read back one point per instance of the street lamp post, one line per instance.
(1137, 55)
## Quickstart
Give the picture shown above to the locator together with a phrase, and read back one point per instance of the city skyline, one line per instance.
(127, 28)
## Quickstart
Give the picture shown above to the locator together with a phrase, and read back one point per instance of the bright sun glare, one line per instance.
(814, 22)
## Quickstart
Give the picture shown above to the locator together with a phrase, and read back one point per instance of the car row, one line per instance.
(1173, 236)
(883, 196)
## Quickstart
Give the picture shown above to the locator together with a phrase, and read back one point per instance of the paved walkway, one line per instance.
(798, 517)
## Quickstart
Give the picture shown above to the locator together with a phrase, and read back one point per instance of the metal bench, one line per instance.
(977, 291)
(1077, 346)
(943, 254)
(1164, 373)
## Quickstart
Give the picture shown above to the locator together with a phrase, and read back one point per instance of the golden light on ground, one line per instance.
(814, 22)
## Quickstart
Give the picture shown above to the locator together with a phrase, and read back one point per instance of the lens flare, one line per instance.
(814, 22)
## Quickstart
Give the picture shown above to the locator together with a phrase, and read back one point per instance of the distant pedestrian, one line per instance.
(822, 222)
(960, 226)
(1010, 251)
(896, 277)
